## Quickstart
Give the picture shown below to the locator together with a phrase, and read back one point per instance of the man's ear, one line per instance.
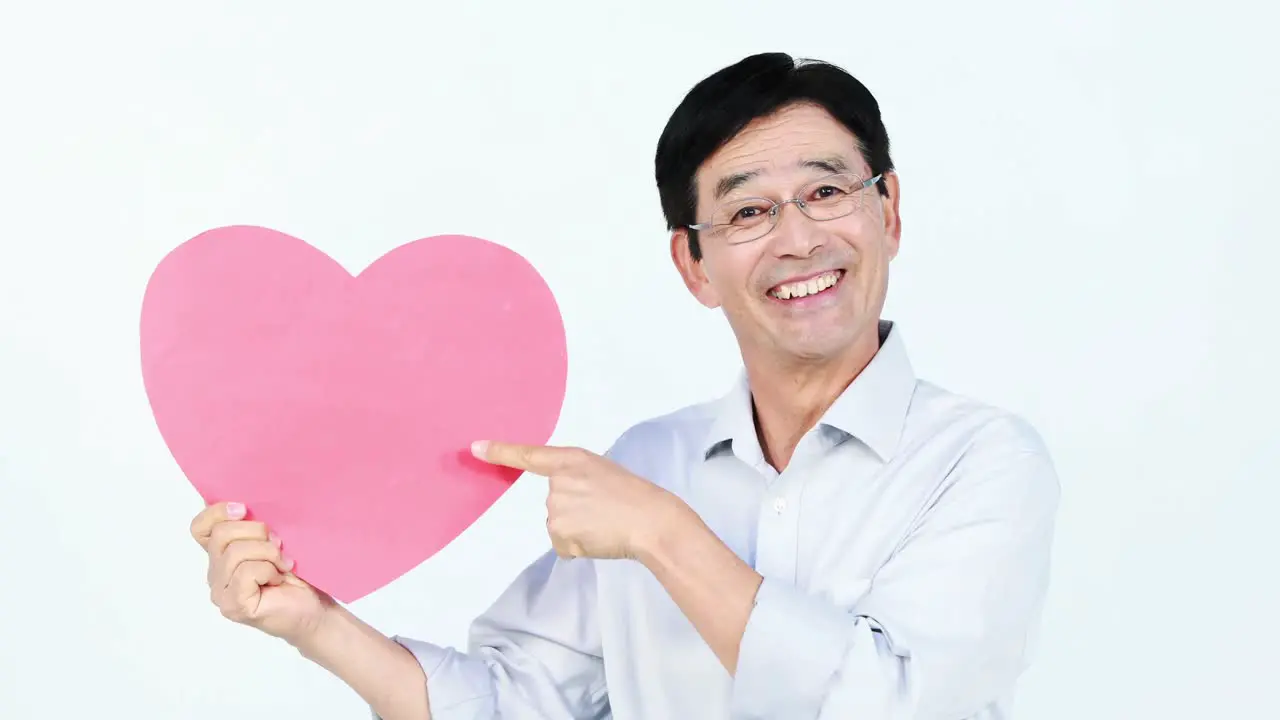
(892, 219)
(692, 271)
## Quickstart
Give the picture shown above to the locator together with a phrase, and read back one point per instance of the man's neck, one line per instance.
(789, 398)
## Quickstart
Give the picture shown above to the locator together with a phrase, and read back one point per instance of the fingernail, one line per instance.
(235, 510)
(275, 539)
(287, 562)
(479, 447)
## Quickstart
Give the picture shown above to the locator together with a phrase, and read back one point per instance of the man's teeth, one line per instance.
(811, 286)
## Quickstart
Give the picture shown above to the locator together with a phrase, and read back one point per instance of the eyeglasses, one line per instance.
(748, 219)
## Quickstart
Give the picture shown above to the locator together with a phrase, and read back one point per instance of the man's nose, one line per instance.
(794, 233)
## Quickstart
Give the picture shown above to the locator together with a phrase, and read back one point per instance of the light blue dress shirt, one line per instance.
(905, 552)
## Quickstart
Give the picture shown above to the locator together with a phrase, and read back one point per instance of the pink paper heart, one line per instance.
(340, 409)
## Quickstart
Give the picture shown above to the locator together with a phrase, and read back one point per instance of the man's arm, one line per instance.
(534, 653)
(377, 668)
(710, 584)
(943, 631)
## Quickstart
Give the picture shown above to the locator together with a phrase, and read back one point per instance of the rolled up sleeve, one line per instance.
(946, 626)
(792, 648)
(459, 686)
(534, 653)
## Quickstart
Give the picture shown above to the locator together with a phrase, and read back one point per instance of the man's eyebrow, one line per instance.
(729, 183)
(831, 164)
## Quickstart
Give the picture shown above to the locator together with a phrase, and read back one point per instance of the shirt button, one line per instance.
(779, 505)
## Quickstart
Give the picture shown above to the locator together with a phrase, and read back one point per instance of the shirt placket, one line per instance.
(778, 520)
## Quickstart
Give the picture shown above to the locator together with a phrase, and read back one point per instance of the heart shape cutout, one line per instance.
(340, 409)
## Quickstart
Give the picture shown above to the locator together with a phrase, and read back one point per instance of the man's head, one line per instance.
(801, 280)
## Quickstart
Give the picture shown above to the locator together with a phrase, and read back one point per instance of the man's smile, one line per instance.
(810, 286)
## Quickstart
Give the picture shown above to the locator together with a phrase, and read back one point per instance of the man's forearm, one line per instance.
(711, 585)
(380, 670)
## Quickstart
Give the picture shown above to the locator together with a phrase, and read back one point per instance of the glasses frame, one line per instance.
(775, 207)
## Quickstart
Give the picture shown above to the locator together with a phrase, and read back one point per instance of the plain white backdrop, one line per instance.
(1088, 240)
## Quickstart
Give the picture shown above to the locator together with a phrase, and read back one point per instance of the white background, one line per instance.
(1087, 241)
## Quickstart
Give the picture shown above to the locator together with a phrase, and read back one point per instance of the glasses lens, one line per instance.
(832, 197)
(740, 221)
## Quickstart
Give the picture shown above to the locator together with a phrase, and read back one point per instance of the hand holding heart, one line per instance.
(595, 507)
(249, 575)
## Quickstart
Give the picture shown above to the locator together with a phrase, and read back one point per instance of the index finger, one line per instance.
(203, 523)
(538, 459)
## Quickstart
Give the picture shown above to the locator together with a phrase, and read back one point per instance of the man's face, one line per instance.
(767, 286)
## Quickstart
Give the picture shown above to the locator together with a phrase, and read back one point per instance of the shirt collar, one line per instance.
(872, 409)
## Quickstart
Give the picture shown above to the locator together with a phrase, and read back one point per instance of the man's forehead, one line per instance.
(801, 140)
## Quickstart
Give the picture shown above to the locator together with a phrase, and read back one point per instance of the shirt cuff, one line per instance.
(459, 687)
(793, 646)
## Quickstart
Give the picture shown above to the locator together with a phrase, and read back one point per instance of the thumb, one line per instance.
(294, 580)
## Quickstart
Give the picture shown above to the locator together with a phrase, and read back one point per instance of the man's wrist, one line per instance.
(385, 673)
(668, 520)
(316, 640)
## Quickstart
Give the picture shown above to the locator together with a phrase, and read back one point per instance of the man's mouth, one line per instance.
(809, 286)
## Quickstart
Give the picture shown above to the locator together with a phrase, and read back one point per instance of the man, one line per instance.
(834, 538)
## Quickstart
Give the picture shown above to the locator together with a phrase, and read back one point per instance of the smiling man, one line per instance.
(833, 538)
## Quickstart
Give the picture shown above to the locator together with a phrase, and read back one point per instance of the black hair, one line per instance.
(721, 105)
